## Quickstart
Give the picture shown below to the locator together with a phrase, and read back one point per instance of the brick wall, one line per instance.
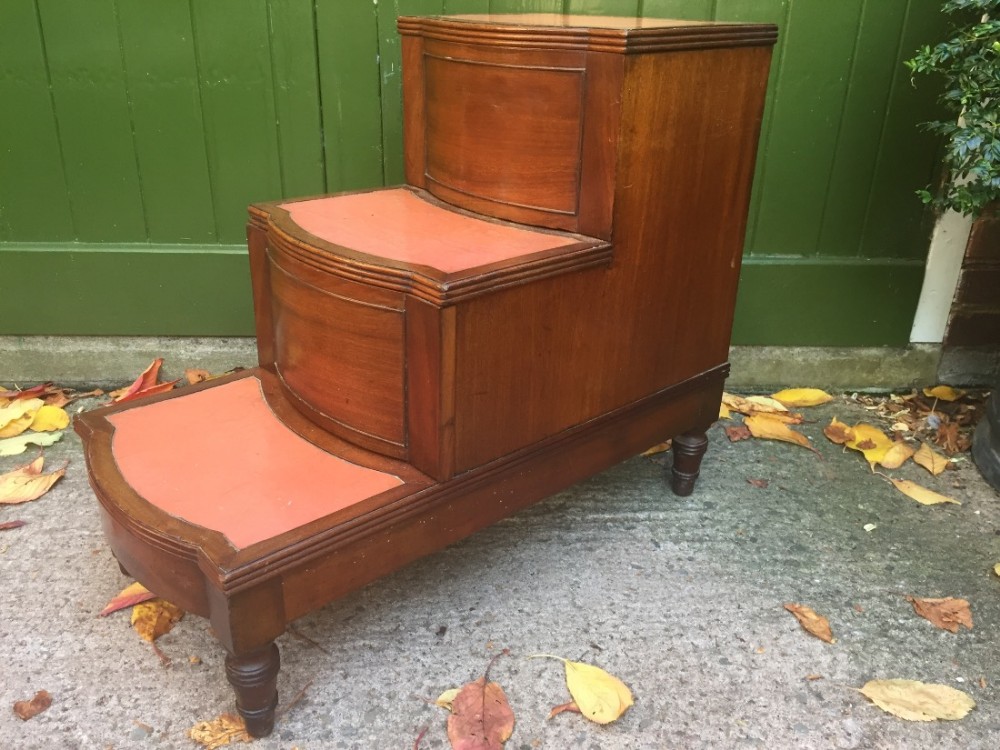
(975, 312)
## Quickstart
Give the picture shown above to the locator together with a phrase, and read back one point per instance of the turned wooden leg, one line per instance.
(688, 450)
(255, 678)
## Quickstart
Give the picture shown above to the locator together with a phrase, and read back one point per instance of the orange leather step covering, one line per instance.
(221, 459)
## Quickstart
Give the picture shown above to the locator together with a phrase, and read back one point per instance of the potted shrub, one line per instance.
(970, 64)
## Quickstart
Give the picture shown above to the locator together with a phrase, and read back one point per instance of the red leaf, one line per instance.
(738, 432)
(145, 384)
(571, 706)
(481, 718)
(128, 597)
(27, 709)
(11, 525)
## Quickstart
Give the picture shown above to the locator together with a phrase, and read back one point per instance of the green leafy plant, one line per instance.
(970, 64)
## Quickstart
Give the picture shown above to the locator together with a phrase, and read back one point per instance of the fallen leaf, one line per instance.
(897, 455)
(129, 596)
(871, 441)
(601, 697)
(922, 495)
(737, 432)
(144, 385)
(220, 732)
(658, 448)
(762, 426)
(563, 708)
(197, 376)
(944, 393)
(50, 418)
(930, 459)
(996, 569)
(154, 618)
(814, 677)
(918, 701)
(16, 417)
(724, 412)
(947, 613)
(27, 483)
(28, 709)
(447, 698)
(795, 397)
(752, 404)
(12, 525)
(17, 445)
(838, 432)
(760, 484)
(481, 718)
(869, 527)
(812, 623)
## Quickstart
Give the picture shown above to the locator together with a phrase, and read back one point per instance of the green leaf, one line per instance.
(17, 445)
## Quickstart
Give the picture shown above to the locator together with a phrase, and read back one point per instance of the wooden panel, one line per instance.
(430, 387)
(237, 94)
(348, 63)
(163, 90)
(524, 155)
(696, 10)
(602, 7)
(34, 201)
(95, 124)
(343, 357)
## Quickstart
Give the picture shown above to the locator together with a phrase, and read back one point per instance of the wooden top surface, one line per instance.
(398, 225)
(568, 20)
(219, 458)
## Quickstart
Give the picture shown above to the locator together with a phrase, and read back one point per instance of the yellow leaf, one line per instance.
(897, 455)
(447, 698)
(220, 732)
(17, 445)
(154, 618)
(871, 441)
(922, 495)
(16, 417)
(658, 448)
(930, 459)
(838, 432)
(765, 427)
(813, 623)
(996, 569)
(944, 393)
(802, 397)
(724, 412)
(49, 418)
(752, 404)
(27, 483)
(918, 701)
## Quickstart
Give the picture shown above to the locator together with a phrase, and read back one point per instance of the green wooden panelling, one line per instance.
(526, 6)
(826, 302)
(602, 7)
(161, 76)
(296, 82)
(237, 96)
(34, 201)
(907, 155)
(347, 35)
(695, 10)
(95, 124)
(182, 290)
(391, 80)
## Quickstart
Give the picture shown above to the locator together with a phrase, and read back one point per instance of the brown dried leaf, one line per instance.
(129, 596)
(220, 732)
(31, 708)
(197, 376)
(27, 483)
(918, 701)
(737, 432)
(750, 405)
(838, 432)
(658, 448)
(12, 525)
(563, 708)
(764, 427)
(154, 618)
(812, 623)
(481, 718)
(930, 459)
(947, 613)
(760, 484)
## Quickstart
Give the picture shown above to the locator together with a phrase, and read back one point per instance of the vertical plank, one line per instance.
(296, 89)
(602, 7)
(897, 225)
(95, 127)
(347, 36)
(876, 62)
(234, 65)
(34, 203)
(466, 6)
(695, 10)
(526, 6)
(810, 95)
(391, 80)
(162, 80)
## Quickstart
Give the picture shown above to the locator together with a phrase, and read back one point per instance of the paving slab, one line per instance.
(681, 598)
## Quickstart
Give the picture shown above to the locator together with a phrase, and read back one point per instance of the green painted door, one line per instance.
(136, 132)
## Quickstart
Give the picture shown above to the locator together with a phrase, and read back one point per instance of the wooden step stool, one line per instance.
(550, 293)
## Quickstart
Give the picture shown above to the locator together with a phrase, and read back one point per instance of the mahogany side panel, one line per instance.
(415, 121)
(260, 284)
